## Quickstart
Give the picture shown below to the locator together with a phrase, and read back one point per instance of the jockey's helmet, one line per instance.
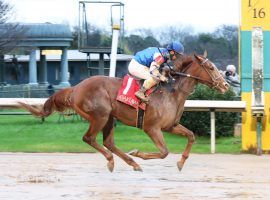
(176, 46)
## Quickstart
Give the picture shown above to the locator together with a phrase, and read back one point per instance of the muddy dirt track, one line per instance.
(57, 176)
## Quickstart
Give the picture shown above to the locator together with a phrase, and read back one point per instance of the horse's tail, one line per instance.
(59, 101)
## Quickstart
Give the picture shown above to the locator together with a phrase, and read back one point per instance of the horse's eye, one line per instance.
(211, 67)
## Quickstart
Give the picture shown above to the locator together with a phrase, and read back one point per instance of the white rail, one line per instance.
(13, 102)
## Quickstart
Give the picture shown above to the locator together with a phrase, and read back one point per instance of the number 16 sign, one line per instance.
(255, 13)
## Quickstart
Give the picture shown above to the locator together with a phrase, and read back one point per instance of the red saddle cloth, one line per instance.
(126, 94)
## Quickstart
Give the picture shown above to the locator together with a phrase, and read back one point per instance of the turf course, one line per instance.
(29, 134)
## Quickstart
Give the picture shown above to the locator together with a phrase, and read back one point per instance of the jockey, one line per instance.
(146, 63)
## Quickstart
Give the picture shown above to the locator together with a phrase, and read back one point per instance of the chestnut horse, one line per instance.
(95, 100)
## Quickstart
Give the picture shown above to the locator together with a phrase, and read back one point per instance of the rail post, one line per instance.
(116, 29)
(213, 130)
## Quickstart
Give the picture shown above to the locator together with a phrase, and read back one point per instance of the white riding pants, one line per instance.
(138, 70)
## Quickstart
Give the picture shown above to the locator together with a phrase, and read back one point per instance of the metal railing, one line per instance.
(25, 91)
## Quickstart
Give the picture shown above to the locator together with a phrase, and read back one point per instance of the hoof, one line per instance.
(110, 166)
(138, 168)
(134, 152)
(180, 166)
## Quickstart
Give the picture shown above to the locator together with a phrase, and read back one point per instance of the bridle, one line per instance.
(214, 83)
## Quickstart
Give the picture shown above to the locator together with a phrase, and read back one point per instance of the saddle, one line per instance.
(126, 94)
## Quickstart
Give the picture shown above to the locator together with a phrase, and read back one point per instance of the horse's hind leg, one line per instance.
(108, 141)
(90, 138)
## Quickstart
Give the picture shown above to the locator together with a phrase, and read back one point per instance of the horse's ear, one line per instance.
(196, 56)
(205, 53)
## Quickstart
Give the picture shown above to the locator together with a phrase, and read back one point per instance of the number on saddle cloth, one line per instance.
(126, 94)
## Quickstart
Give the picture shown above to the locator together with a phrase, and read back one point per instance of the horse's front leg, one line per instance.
(181, 130)
(157, 137)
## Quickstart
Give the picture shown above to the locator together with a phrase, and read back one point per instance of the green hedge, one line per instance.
(199, 122)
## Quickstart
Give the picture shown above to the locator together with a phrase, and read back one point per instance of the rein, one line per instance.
(190, 76)
(214, 83)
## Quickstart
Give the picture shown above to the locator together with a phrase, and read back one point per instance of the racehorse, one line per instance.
(95, 100)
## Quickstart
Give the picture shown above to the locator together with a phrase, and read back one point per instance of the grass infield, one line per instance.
(29, 134)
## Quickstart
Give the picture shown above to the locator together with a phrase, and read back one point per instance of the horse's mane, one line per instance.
(186, 61)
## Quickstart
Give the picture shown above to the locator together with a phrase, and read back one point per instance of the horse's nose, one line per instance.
(226, 85)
